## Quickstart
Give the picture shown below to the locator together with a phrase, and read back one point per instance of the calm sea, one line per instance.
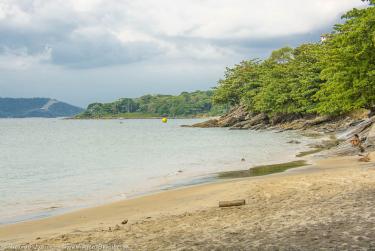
(49, 166)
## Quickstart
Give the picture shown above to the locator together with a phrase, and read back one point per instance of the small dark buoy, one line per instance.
(243, 159)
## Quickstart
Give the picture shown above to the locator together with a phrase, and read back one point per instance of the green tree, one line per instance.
(240, 83)
(348, 64)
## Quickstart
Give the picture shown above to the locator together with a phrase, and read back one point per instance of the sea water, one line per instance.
(48, 166)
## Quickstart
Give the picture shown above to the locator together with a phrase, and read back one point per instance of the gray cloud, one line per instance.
(89, 34)
(100, 51)
(145, 46)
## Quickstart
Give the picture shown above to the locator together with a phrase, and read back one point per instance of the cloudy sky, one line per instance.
(81, 51)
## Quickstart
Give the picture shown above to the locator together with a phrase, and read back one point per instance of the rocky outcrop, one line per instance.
(365, 129)
(370, 140)
(206, 124)
(234, 116)
(341, 129)
(240, 118)
(256, 120)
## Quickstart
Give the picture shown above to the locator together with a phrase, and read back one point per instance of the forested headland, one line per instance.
(187, 104)
(332, 77)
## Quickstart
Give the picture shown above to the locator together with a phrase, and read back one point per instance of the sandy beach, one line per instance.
(327, 205)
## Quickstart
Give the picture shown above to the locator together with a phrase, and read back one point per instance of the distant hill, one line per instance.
(36, 107)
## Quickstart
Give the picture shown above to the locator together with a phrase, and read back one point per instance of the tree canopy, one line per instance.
(333, 77)
(184, 105)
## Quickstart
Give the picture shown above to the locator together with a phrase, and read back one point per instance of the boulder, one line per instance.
(294, 142)
(283, 118)
(229, 121)
(317, 121)
(258, 119)
(207, 124)
(236, 115)
(241, 125)
(365, 130)
(371, 135)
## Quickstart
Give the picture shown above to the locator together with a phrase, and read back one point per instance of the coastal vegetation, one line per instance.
(332, 77)
(187, 104)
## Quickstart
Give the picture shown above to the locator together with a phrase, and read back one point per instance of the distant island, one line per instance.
(187, 104)
(36, 107)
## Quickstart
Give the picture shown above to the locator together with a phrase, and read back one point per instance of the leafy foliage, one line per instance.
(184, 105)
(332, 77)
(349, 65)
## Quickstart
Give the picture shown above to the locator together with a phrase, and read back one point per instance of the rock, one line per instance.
(227, 122)
(356, 122)
(117, 227)
(249, 116)
(282, 118)
(243, 159)
(371, 135)
(360, 238)
(294, 142)
(207, 124)
(258, 119)
(258, 127)
(239, 118)
(317, 121)
(364, 129)
(124, 222)
(240, 125)
(365, 159)
(235, 116)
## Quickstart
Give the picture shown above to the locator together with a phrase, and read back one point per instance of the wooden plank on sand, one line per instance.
(232, 203)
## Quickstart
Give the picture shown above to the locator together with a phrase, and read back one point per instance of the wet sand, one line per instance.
(328, 205)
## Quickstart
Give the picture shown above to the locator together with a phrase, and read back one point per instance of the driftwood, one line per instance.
(232, 203)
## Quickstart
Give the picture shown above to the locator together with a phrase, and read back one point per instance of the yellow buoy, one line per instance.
(164, 120)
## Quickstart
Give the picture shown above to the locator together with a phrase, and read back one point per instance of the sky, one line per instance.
(84, 51)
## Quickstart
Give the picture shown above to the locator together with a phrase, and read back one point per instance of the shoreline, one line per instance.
(187, 182)
(141, 118)
(58, 211)
(164, 193)
(177, 183)
(325, 178)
